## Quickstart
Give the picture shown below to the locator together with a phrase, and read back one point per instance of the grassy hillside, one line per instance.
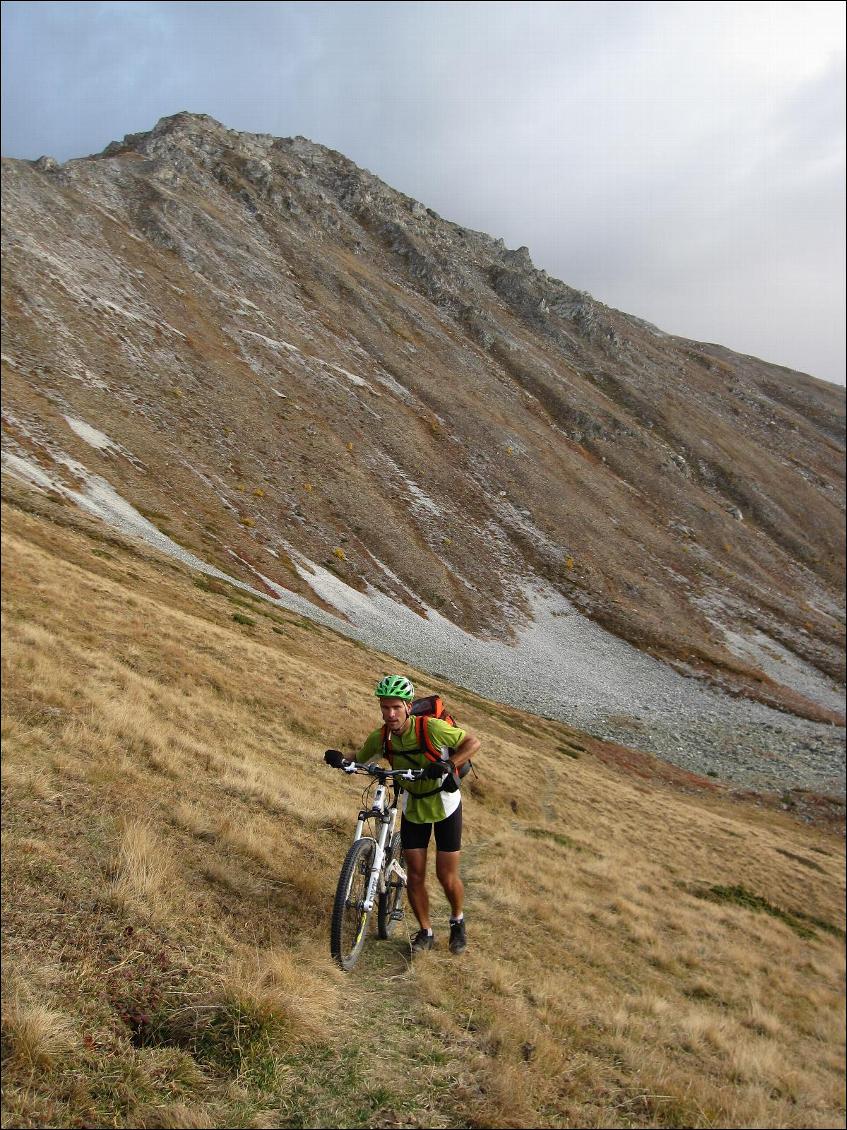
(645, 950)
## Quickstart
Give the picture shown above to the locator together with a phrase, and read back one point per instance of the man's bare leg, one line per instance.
(447, 870)
(416, 885)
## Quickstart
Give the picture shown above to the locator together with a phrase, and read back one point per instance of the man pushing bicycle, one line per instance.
(433, 801)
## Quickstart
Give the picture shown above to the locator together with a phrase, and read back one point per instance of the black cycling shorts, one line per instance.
(448, 833)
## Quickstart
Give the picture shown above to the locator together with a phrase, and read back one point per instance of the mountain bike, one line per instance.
(372, 873)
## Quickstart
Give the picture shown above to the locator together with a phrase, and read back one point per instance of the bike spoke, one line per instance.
(390, 905)
(349, 918)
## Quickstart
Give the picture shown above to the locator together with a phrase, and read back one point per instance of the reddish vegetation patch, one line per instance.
(647, 767)
(826, 812)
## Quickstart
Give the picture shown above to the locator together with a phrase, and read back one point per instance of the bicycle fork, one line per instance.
(377, 882)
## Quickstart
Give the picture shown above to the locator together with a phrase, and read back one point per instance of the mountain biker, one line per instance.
(425, 805)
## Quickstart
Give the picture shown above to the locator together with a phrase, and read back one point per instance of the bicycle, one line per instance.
(372, 873)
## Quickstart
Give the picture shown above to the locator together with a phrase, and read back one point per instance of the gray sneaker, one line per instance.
(422, 942)
(458, 937)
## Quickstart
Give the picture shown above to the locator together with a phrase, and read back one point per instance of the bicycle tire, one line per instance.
(349, 920)
(389, 910)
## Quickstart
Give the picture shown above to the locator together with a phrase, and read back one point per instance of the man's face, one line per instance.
(395, 714)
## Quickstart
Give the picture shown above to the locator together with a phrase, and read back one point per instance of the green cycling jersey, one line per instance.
(406, 754)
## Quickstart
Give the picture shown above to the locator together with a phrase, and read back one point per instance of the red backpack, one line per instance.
(423, 708)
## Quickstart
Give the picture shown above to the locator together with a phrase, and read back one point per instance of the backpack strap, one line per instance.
(386, 747)
(425, 745)
(424, 741)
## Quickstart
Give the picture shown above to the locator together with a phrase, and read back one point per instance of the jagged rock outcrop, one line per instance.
(294, 358)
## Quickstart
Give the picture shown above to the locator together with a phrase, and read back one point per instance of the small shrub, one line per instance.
(209, 584)
(240, 618)
(796, 919)
(240, 601)
(801, 859)
(557, 837)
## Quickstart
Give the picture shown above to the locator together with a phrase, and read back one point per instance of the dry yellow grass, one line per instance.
(34, 1035)
(172, 841)
(141, 872)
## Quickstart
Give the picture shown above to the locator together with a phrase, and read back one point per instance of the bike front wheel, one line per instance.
(389, 909)
(349, 918)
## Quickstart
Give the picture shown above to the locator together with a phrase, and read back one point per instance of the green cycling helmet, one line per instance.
(395, 686)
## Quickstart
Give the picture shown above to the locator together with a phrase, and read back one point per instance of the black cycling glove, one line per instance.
(334, 757)
(435, 770)
(451, 782)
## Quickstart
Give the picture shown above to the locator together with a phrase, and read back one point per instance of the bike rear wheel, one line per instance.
(349, 918)
(389, 910)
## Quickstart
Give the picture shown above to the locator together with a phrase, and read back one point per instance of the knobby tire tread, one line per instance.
(352, 876)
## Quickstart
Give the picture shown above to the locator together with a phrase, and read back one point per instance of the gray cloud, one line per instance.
(682, 161)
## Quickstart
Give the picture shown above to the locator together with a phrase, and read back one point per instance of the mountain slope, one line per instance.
(293, 361)
(645, 948)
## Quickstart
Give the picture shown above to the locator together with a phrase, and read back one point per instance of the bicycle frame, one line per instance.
(369, 879)
(386, 814)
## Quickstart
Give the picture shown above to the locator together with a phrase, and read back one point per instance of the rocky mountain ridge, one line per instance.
(290, 363)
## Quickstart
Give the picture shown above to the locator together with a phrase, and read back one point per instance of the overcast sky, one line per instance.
(683, 162)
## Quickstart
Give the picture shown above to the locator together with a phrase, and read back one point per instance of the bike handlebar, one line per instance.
(382, 774)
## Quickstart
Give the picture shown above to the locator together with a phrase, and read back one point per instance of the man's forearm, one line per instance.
(465, 750)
